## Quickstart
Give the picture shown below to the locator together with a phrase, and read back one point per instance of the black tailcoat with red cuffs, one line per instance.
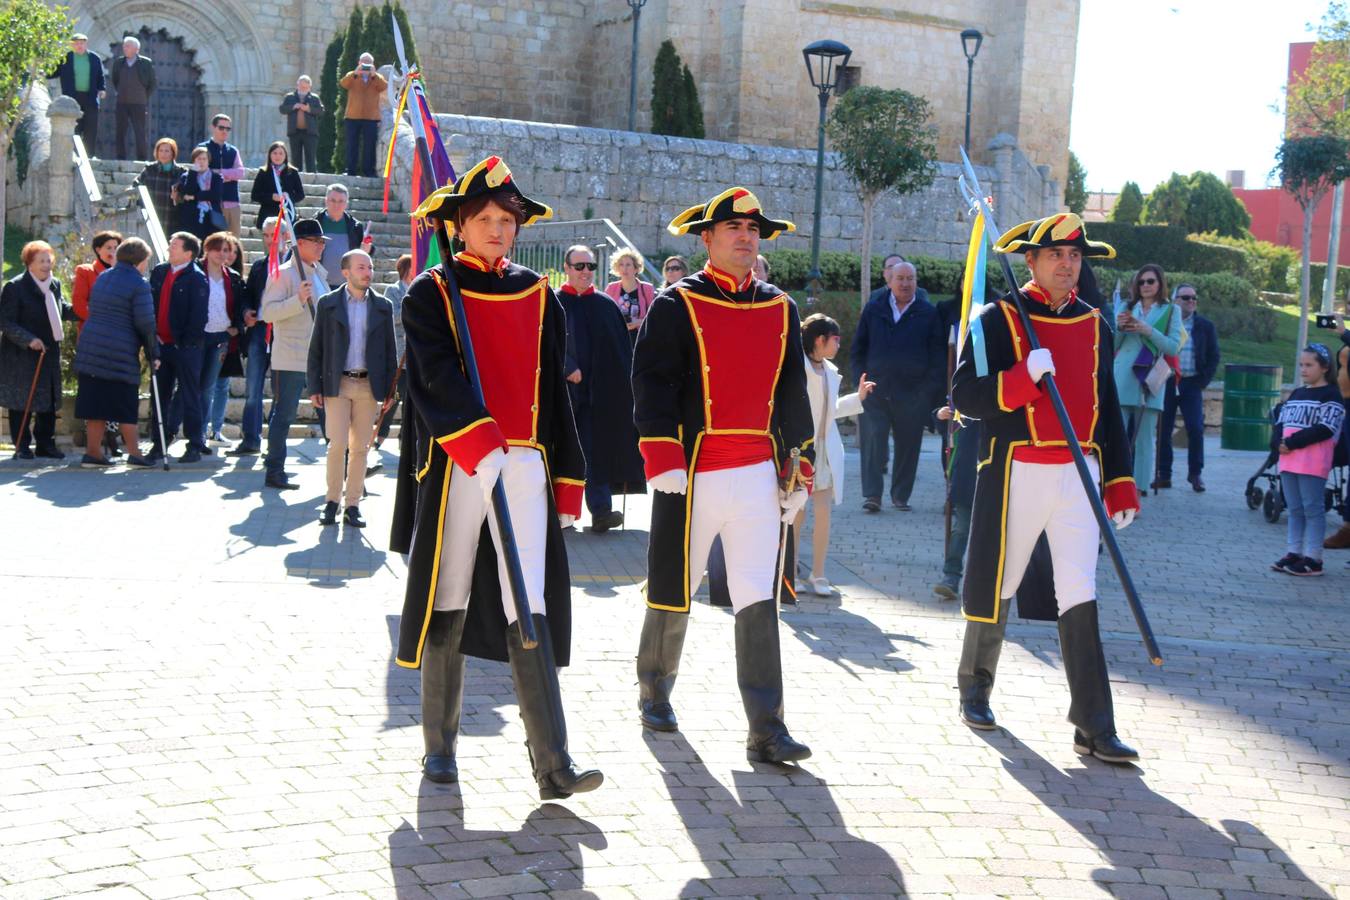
(709, 349)
(526, 405)
(992, 384)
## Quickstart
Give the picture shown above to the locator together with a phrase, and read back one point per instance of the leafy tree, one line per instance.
(1129, 205)
(1199, 202)
(1075, 186)
(32, 43)
(328, 94)
(351, 55)
(676, 109)
(886, 143)
(1308, 168)
(1316, 100)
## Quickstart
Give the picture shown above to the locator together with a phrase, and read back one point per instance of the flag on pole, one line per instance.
(425, 252)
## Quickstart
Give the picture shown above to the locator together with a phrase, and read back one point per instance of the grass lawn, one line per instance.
(14, 241)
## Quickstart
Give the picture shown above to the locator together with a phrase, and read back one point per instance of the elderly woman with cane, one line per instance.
(31, 313)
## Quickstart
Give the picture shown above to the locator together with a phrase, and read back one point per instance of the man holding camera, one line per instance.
(364, 87)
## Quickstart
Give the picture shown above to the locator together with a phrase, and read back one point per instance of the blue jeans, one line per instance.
(213, 356)
(1189, 398)
(286, 390)
(255, 371)
(1304, 495)
(215, 414)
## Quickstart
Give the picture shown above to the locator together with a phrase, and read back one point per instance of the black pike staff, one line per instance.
(388, 403)
(515, 574)
(948, 449)
(1104, 523)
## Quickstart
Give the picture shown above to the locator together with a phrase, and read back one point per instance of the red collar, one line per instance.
(476, 262)
(568, 289)
(727, 282)
(1035, 292)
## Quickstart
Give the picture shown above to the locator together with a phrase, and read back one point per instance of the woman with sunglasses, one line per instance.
(1148, 329)
(673, 269)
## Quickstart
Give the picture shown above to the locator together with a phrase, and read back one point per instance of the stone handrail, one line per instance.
(150, 216)
(86, 170)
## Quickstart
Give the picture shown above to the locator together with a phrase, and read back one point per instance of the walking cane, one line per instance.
(159, 416)
(32, 392)
(972, 184)
(794, 472)
(388, 403)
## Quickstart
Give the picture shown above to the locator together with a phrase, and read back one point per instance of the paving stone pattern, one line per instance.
(198, 698)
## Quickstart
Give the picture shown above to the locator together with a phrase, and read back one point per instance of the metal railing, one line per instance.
(542, 246)
(86, 170)
(150, 216)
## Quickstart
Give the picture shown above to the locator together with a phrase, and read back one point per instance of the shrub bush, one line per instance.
(1167, 246)
(1270, 267)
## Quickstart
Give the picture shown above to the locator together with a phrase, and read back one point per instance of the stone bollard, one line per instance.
(64, 113)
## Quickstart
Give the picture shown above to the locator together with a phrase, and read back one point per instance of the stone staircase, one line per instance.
(390, 232)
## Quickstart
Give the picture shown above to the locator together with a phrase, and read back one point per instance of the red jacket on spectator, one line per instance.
(84, 284)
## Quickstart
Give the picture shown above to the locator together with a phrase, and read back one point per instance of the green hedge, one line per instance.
(1168, 246)
(842, 271)
(1270, 267)
(1319, 277)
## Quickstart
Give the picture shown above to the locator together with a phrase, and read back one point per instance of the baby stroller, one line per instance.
(1270, 499)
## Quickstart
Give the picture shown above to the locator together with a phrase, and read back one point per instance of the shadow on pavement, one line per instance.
(403, 693)
(851, 641)
(269, 523)
(436, 855)
(715, 817)
(1134, 827)
(67, 486)
(342, 554)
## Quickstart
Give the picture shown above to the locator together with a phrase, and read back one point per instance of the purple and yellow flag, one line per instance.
(424, 249)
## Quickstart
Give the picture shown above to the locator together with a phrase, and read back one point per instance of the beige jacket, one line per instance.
(291, 319)
(363, 96)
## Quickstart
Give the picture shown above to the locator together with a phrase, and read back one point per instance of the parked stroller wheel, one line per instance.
(1254, 496)
(1272, 506)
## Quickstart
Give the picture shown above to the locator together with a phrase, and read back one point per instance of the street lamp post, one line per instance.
(636, 7)
(971, 41)
(823, 60)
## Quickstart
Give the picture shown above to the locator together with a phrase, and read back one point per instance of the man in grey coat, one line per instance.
(352, 363)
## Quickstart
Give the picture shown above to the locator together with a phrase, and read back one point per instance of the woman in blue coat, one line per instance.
(1148, 322)
(121, 323)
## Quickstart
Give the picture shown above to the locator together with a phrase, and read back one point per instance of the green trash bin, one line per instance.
(1249, 394)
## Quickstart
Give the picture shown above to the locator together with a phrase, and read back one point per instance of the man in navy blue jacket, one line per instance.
(1199, 361)
(81, 75)
(182, 297)
(899, 345)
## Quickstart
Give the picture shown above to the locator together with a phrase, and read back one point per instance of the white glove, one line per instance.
(671, 481)
(1038, 363)
(488, 471)
(565, 520)
(792, 503)
(1123, 518)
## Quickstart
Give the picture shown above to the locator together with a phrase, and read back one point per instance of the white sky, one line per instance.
(1182, 85)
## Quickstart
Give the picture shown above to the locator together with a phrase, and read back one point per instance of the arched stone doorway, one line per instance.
(177, 107)
(235, 64)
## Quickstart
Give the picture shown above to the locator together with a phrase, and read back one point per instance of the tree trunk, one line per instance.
(869, 202)
(1305, 289)
(4, 185)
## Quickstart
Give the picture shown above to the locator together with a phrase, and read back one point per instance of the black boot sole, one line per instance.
(978, 725)
(588, 782)
(1083, 750)
(667, 727)
(440, 775)
(761, 756)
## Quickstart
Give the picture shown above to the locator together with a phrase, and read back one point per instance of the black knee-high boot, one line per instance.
(442, 695)
(979, 662)
(759, 674)
(536, 679)
(1090, 708)
(658, 662)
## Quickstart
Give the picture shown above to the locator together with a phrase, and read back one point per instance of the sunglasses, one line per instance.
(224, 128)
(1148, 281)
(590, 267)
(1191, 297)
(674, 269)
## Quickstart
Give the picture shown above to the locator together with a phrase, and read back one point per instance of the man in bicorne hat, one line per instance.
(459, 601)
(1033, 534)
(719, 392)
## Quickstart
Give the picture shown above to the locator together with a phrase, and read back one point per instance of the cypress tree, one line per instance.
(409, 45)
(351, 54)
(693, 109)
(328, 92)
(667, 90)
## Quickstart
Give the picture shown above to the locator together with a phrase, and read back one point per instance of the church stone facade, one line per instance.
(567, 61)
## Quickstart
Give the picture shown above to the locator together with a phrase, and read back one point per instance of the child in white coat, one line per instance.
(820, 342)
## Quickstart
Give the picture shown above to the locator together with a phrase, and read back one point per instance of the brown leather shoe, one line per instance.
(1340, 540)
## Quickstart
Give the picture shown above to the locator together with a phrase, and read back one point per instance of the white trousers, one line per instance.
(740, 505)
(526, 482)
(1050, 499)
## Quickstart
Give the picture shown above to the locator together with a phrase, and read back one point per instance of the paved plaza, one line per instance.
(198, 698)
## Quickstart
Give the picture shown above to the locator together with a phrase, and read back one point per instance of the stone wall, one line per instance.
(642, 181)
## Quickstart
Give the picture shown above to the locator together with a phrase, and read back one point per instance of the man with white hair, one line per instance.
(303, 109)
(133, 77)
(363, 86)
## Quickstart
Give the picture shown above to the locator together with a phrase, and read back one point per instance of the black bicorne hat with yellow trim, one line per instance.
(1060, 230)
(491, 176)
(733, 203)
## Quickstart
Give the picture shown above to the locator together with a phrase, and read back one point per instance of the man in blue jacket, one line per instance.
(81, 75)
(182, 297)
(900, 346)
(1199, 361)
